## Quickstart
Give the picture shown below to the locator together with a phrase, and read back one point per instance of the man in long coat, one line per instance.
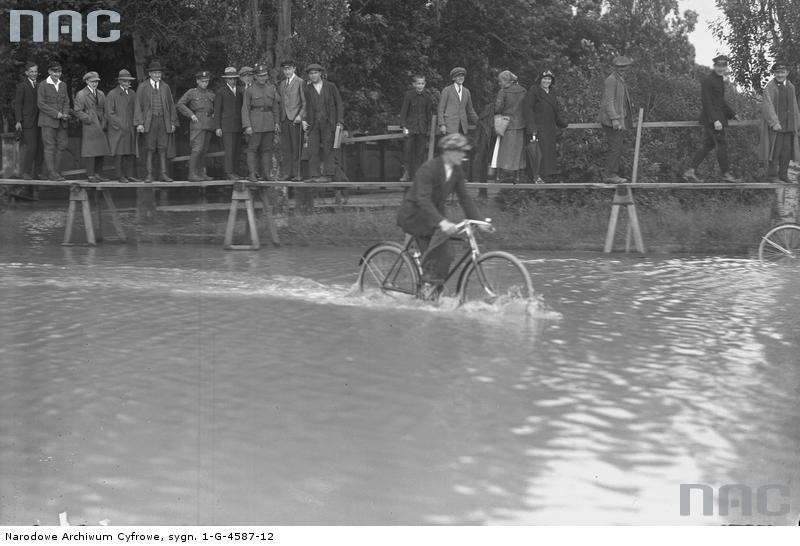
(156, 119)
(780, 124)
(120, 107)
(26, 112)
(90, 108)
(228, 120)
(53, 103)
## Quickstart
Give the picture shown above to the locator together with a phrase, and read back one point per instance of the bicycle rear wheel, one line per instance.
(388, 269)
(781, 244)
(495, 275)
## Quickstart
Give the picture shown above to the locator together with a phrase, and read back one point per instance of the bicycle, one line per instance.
(781, 244)
(396, 269)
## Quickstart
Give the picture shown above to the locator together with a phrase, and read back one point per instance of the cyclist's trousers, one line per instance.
(437, 255)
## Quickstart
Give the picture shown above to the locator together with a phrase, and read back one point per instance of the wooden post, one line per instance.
(637, 147)
(99, 206)
(241, 193)
(77, 194)
(624, 196)
(432, 138)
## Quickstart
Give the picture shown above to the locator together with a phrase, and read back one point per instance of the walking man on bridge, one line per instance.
(780, 125)
(197, 104)
(714, 118)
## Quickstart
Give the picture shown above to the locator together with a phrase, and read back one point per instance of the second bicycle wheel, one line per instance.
(496, 275)
(388, 269)
(781, 244)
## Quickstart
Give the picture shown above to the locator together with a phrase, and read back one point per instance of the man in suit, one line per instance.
(324, 113)
(616, 110)
(26, 112)
(422, 212)
(780, 124)
(455, 110)
(714, 118)
(260, 110)
(120, 106)
(53, 102)
(293, 109)
(156, 118)
(415, 119)
(197, 104)
(228, 120)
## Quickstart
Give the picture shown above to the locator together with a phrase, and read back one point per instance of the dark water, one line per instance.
(189, 385)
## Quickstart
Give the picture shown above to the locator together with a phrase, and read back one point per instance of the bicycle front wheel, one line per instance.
(781, 244)
(388, 269)
(495, 275)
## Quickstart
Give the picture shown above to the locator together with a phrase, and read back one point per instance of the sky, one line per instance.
(706, 46)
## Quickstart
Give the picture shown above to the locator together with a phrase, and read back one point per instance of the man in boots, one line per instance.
(155, 118)
(120, 106)
(260, 111)
(53, 103)
(197, 104)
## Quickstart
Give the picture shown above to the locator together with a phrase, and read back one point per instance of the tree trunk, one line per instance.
(283, 47)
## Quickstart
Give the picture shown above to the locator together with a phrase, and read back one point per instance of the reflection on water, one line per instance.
(189, 385)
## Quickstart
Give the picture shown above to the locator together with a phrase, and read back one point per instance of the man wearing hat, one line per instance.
(293, 109)
(155, 118)
(324, 113)
(26, 112)
(90, 108)
(228, 120)
(455, 110)
(246, 77)
(780, 123)
(197, 104)
(260, 110)
(616, 110)
(53, 103)
(714, 118)
(120, 107)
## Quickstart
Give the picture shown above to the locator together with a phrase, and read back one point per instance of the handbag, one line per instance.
(501, 124)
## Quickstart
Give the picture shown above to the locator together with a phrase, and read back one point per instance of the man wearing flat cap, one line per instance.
(455, 111)
(197, 104)
(53, 103)
(324, 113)
(780, 123)
(26, 112)
(714, 118)
(228, 121)
(90, 108)
(616, 111)
(260, 110)
(155, 118)
(120, 107)
(293, 109)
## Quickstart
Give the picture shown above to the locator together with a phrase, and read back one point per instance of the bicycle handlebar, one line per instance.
(462, 225)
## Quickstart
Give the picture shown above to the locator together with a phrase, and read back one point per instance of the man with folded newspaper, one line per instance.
(323, 119)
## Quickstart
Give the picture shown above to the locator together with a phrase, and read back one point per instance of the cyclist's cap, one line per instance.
(455, 141)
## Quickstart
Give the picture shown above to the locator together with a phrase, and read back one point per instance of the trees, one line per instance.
(757, 32)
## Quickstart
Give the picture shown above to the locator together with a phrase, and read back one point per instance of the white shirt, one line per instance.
(458, 90)
(53, 83)
(448, 172)
(232, 88)
(318, 87)
(154, 84)
(290, 80)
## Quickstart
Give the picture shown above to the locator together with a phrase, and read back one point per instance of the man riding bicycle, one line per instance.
(422, 213)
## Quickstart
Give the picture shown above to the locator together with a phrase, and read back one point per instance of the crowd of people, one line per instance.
(250, 111)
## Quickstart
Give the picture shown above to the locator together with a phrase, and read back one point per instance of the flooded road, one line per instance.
(189, 385)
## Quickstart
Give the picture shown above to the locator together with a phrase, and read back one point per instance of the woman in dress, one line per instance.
(542, 117)
(509, 102)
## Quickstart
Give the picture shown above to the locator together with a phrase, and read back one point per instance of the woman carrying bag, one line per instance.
(510, 128)
(542, 118)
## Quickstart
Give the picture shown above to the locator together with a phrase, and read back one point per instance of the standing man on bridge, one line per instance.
(714, 118)
(228, 121)
(779, 126)
(260, 121)
(120, 106)
(155, 118)
(53, 103)
(616, 111)
(197, 104)
(293, 109)
(324, 114)
(26, 112)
